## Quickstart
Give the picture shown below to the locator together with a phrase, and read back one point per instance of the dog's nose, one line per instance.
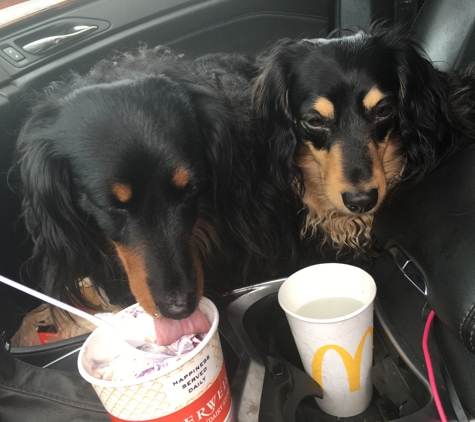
(179, 308)
(361, 201)
(175, 313)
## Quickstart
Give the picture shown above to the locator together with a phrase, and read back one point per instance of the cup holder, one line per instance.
(399, 394)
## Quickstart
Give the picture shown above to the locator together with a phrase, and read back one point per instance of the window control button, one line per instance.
(14, 54)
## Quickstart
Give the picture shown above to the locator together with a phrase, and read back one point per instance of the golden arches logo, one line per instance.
(352, 364)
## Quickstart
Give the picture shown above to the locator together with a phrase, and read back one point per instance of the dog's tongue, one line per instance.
(170, 330)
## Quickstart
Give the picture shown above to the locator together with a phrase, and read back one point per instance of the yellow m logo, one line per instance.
(352, 364)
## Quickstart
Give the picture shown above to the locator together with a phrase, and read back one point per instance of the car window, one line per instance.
(15, 10)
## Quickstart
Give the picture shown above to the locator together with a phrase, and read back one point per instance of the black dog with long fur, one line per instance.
(147, 173)
(346, 119)
(141, 174)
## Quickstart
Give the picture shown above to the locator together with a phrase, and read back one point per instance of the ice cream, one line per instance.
(162, 343)
(188, 385)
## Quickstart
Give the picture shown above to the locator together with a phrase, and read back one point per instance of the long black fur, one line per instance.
(433, 117)
(234, 123)
(135, 119)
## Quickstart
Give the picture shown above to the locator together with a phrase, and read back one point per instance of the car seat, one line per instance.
(429, 230)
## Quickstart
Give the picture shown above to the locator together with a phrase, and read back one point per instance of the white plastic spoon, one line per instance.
(91, 318)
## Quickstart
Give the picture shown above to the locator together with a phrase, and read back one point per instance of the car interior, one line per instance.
(427, 231)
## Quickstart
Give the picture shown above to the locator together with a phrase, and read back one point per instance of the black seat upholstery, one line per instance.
(433, 223)
(446, 31)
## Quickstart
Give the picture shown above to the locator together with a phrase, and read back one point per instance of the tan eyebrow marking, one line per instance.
(373, 97)
(181, 177)
(325, 107)
(122, 191)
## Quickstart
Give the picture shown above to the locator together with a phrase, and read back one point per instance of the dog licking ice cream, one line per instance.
(173, 385)
(162, 344)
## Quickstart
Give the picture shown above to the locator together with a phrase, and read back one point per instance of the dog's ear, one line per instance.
(217, 124)
(245, 198)
(272, 112)
(66, 246)
(270, 105)
(424, 111)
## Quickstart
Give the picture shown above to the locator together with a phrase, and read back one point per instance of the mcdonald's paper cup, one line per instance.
(330, 312)
(189, 389)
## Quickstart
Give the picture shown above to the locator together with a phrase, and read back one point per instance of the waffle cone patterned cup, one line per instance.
(192, 388)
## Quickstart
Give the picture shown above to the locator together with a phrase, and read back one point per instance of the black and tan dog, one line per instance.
(153, 173)
(346, 119)
(141, 174)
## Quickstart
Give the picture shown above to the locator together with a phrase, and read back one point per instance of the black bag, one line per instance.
(33, 393)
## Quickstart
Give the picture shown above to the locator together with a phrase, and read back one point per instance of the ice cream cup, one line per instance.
(330, 312)
(193, 388)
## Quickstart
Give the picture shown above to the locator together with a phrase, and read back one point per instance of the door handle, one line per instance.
(44, 44)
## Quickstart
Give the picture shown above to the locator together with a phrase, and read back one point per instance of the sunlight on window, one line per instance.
(15, 10)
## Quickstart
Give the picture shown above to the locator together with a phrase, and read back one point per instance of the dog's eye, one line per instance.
(189, 191)
(384, 111)
(120, 212)
(314, 123)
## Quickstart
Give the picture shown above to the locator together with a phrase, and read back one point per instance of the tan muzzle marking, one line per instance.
(134, 265)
